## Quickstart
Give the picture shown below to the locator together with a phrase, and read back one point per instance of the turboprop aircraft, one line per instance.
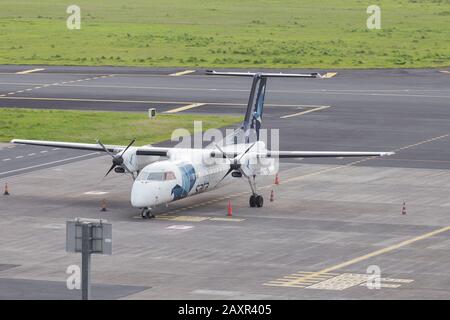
(164, 175)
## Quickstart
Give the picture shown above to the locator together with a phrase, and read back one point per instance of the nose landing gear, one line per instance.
(147, 213)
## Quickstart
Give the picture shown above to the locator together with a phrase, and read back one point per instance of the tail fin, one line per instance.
(255, 106)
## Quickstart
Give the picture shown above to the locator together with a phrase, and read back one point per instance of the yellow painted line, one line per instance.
(189, 106)
(141, 101)
(329, 75)
(181, 73)
(29, 71)
(227, 219)
(376, 253)
(305, 112)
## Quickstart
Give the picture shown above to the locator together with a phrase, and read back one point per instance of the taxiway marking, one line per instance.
(96, 192)
(52, 84)
(333, 281)
(374, 254)
(305, 112)
(329, 75)
(29, 71)
(141, 101)
(181, 73)
(189, 106)
(48, 163)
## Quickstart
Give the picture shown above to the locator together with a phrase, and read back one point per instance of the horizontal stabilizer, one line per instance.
(265, 74)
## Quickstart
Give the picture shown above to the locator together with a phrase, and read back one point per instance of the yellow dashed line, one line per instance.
(29, 71)
(329, 75)
(305, 112)
(190, 106)
(181, 73)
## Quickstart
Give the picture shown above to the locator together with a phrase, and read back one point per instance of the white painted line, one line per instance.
(6, 159)
(48, 163)
(29, 71)
(31, 154)
(305, 112)
(181, 73)
(178, 227)
(44, 151)
(96, 192)
(189, 106)
(19, 157)
(54, 149)
(444, 71)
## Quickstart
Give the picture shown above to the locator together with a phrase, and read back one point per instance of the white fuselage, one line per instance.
(183, 175)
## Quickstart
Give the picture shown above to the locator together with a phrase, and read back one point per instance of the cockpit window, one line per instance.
(169, 175)
(157, 176)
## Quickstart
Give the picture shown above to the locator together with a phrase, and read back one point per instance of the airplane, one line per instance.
(185, 172)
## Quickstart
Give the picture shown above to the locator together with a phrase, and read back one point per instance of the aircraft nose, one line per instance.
(141, 195)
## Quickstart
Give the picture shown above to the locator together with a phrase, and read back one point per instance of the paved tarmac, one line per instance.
(331, 222)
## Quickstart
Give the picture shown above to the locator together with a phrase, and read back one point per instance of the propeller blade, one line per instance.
(110, 169)
(104, 148)
(129, 171)
(223, 153)
(247, 150)
(226, 174)
(129, 145)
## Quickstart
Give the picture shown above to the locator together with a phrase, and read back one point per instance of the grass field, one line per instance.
(110, 127)
(226, 33)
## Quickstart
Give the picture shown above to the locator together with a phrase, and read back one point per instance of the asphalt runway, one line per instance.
(330, 221)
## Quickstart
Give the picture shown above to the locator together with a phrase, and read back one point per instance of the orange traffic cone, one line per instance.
(271, 196)
(404, 208)
(277, 179)
(230, 209)
(6, 193)
(103, 205)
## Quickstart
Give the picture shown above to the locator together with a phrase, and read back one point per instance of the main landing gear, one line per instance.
(256, 200)
(147, 213)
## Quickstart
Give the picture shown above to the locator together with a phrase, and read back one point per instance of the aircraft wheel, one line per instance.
(252, 201)
(259, 201)
(147, 213)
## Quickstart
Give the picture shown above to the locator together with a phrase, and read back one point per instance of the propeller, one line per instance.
(117, 159)
(235, 163)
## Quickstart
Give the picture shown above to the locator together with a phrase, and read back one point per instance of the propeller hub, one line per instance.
(118, 160)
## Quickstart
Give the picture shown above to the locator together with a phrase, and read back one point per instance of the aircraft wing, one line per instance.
(145, 150)
(322, 154)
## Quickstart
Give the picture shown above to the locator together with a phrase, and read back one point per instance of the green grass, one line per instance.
(230, 33)
(110, 127)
